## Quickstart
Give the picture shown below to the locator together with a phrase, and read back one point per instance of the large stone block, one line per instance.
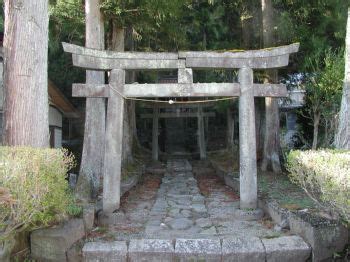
(243, 249)
(115, 251)
(198, 250)
(51, 244)
(286, 249)
(150, 250)
(325, 237)
(74, 253)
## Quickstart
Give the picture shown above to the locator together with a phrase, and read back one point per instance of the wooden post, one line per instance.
(201, 137)
(247, 140)
(155, 133)
(113, 143)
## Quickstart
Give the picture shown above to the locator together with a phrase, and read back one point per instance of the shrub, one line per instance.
(325, 177)
(33, 188)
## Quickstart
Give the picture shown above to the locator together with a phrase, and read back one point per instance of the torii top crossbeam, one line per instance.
(107, 60)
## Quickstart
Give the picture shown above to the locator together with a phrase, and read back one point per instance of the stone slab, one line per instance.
(51, 244)
(115, 251)
(325, 237)
(198, 250)
(286, 249)
(151, 250)
(243, 249)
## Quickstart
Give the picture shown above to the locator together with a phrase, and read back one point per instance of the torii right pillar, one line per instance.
(247, 140)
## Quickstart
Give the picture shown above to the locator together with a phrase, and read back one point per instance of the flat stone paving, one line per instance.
(197, 208)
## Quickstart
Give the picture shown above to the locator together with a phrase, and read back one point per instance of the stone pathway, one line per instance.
(188, 215)
(183, 203)
(181, 210)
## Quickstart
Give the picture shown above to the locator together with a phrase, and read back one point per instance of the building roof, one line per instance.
(57, 99)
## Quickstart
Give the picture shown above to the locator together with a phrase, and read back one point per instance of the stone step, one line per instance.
(286, 249)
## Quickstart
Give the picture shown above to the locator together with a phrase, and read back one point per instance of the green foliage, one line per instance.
(33, 188)
(317, 25)
(323, 92)
(325, 177)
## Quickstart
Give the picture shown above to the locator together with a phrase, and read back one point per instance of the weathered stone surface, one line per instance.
(106, 219)
(74, 253)
(325, 237)
(151, 250)
(277, 213)
(180, 223)
(249, 215)
(199, 208)
(89, 217)
(203, 222)
(286, 249)
(243, 249)
(51, 244)
(209, 231)
(247, 141)
(105, 252)
(113, 149)
(198, 250)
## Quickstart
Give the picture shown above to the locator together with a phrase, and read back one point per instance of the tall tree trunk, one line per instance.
(248, 13)
(342, 138)
(25, 59)
(272, 140)
(317, 117)
(131, 78)
(91, 167)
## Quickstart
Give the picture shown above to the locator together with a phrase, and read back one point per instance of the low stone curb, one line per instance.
(325, 239)
(151, 250)
(239, 249)
(288, 248)
(105, 251)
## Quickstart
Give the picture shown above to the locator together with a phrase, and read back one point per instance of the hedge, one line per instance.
(34, 191)
(325, 176)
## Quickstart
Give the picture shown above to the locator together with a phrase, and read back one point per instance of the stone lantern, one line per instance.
(295, 100)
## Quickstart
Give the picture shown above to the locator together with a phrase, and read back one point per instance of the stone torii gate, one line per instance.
(117, 90)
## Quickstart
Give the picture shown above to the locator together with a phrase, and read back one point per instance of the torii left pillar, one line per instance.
(113, 143)
(247, 142)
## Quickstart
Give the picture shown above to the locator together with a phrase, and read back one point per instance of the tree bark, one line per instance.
(272, 140)
(342, 138)
(91, 167)
(317, 117)
(25, 70)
